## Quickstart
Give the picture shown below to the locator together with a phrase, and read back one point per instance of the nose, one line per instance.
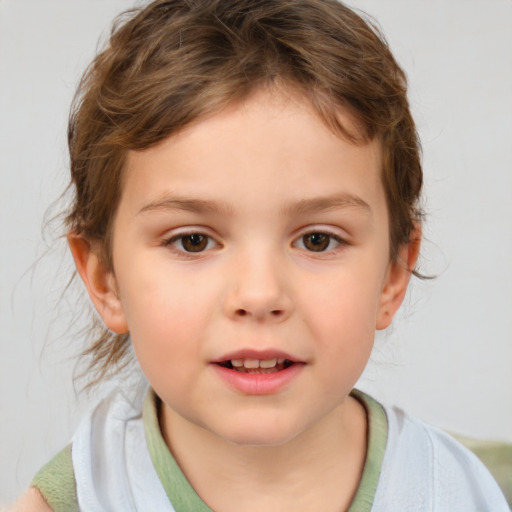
(258, 290)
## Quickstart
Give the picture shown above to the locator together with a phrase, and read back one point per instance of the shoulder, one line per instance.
(425, 465)
(56, 484)
(31, 501)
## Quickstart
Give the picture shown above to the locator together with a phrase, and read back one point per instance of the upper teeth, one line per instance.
(256, 363)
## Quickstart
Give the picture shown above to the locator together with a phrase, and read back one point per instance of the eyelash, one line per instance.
(323, 233)
(174, 240)
(204, 242)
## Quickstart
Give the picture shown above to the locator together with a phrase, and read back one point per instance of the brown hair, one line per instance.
(176, 61)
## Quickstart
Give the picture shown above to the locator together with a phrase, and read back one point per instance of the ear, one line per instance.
(99, 281)
(397, 280)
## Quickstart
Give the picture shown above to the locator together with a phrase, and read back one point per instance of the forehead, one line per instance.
(272, 147)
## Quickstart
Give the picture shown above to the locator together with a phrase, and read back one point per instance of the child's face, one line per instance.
(255, 234)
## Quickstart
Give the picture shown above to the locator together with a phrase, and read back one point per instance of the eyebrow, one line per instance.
(167, 203)
(323, 204)
(304, 206)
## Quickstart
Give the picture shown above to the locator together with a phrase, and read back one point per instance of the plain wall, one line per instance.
(448, 357)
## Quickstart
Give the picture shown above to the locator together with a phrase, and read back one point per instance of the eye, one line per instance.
(318, 241)
(191, 242)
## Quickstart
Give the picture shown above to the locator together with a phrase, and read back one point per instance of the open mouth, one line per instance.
(257, 366)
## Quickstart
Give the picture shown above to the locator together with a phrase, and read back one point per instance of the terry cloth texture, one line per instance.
(497, 458)
(56, 481)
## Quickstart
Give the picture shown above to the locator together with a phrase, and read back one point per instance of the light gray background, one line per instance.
(448, 357)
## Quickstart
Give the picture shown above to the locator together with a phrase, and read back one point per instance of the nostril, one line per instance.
(276, 313)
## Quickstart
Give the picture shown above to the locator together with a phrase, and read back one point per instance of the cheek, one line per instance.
(347, 334)
(166, 319)
(342, 316)
(347, 302)
(347, 331)
(157, 297)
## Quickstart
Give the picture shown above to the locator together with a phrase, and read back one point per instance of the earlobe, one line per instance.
(99, 282)
(397, 280)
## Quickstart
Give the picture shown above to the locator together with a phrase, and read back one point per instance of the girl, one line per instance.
(247, 177)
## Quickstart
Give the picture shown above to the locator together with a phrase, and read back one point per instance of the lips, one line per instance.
(258, 372)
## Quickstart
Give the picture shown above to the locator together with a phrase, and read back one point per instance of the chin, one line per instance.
(259, 434)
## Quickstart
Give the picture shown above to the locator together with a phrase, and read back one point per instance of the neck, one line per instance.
(320, 465)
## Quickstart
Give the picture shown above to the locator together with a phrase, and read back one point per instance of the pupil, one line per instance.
(194, 242)
(195, 239)
(316, 242)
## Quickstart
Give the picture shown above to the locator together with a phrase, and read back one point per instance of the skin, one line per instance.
(256, 179)
(31, 501)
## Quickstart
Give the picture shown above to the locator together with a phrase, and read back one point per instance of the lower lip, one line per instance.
(259, 383)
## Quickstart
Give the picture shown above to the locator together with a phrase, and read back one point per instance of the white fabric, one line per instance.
(113, 468)
(424, 470)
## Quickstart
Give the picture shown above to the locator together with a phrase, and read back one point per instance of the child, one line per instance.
(247, 178)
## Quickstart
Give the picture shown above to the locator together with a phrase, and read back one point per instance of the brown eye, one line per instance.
(316, 242)
(194, 242)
